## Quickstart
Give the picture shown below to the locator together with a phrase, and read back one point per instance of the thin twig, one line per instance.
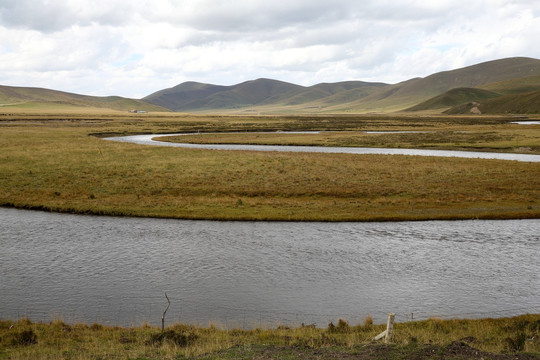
(163, 317)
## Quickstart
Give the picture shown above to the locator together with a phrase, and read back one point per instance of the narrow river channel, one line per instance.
(116, 270)
(151, 140)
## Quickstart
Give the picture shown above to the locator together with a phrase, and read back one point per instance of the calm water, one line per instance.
(116, 270)
(149, 140)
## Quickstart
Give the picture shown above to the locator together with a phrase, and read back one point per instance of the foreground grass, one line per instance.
(51, 162)
(461, 339)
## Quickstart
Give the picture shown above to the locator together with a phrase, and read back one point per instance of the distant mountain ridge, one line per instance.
(505, 85)
(267, 96)
(190, 96)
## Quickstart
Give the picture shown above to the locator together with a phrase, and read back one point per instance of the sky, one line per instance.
(133, 48)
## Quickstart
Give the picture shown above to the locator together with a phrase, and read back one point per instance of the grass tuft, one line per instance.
(20, 338)
(176, 337)
(483, 337)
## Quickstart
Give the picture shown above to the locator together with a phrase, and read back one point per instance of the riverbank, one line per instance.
(505, 338)
(51, 163)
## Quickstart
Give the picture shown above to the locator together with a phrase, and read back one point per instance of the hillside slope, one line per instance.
(453, 98)
(527, 103)
(265, 93)
(191, 96)
(23, 95)
(514, 86)
(415, 91)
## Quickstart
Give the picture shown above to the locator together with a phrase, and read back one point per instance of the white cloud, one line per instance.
(134, 47)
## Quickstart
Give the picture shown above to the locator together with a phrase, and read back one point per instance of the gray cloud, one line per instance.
(142, 45)
(55, 15)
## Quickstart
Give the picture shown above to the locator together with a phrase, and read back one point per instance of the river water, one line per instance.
(150, 140)
(244, 274)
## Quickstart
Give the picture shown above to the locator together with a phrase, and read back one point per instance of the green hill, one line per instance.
(177, 97)
(195, 96)
(453, 98)
(409, 93)
(527, 103)
(30, 96)
(514, 86)
(260, 93)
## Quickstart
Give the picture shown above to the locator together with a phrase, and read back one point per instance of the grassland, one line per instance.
(505, 338)
(58, 162)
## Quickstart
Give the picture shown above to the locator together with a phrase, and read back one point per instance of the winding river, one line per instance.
(150, 140)
(244, 274)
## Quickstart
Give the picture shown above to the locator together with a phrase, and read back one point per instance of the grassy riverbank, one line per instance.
(57, 162)
(517, 337)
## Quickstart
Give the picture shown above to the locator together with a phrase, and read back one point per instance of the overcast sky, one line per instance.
(132, 48)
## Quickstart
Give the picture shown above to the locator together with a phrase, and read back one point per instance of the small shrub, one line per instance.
(237, 332)
(438, 325)
(368, 321)
(329, 340)
(96, 327)
(534, 326)
(181, 328)
(59, 325)
(515, 344)
(331, 328)
(516, 326)
(25, 321)
(341, 328)
(22, 338)
(178, 338)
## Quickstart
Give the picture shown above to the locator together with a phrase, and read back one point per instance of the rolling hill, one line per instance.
(527, 103)
(454, 97)
(409, 93)
(255, 93)
(483, 81)
(488, 84)
(514, 86)
(29, 96)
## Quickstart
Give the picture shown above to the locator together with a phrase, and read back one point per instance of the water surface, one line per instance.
(150, 140)
(116, 270)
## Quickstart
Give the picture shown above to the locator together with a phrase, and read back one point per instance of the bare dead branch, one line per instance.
(163, 317)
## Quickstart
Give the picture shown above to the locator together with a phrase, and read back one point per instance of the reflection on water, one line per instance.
(526, 122)
(115, 270)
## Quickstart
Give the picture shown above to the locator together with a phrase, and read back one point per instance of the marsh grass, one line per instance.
(79, 341)
(58, 164)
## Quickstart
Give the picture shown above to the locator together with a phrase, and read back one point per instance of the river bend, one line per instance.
(150, 140)
(115, 270)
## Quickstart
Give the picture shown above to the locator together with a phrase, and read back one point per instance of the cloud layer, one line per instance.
(135, 47)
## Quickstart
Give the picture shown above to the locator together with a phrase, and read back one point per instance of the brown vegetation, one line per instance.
(505, 338)
(51, 163)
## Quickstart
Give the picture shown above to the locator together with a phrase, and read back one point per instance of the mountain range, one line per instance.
(510, 85)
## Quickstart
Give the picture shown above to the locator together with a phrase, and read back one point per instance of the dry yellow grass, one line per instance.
(52, 163)
(26, 340)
